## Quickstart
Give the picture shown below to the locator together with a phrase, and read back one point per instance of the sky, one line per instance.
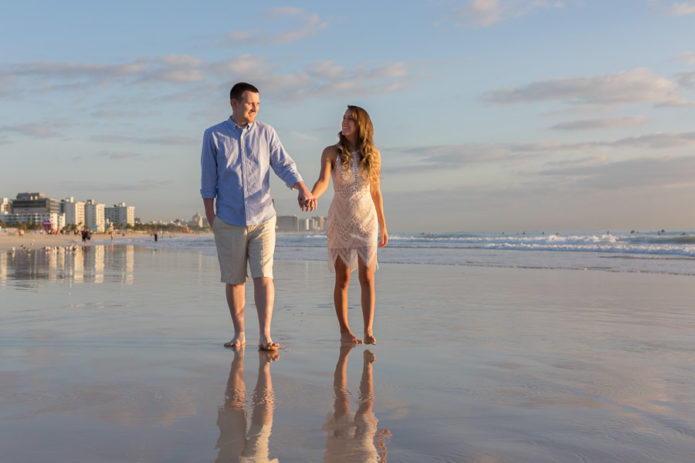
(491, 115)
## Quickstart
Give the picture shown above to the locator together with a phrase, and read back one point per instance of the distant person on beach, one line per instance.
(356, 223)
(236, 158)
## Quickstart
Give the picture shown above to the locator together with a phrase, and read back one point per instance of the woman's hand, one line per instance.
(383, 237)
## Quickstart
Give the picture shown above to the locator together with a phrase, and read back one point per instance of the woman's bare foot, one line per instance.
(369, 338)
(369, 357)
(238, 342)
(349, 338)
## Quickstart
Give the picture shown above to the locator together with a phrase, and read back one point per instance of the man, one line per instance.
(236, 157)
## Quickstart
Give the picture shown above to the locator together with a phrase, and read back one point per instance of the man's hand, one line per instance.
(307, 202)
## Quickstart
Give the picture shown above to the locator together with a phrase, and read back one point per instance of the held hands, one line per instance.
(307, 202)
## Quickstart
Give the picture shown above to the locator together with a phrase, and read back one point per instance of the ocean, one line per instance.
(667, 252)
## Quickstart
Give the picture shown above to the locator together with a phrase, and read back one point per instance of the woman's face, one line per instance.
(349, 127)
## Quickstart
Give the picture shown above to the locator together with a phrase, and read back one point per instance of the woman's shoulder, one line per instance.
(331, 151)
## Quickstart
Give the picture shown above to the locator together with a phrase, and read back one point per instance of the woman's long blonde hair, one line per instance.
(370, 164)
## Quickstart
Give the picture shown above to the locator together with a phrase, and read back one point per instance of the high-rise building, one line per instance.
(35, 203)
(36, 208)
(120, 214)
(287, 223)
(5, 206)
(74, 211)
(94, 216)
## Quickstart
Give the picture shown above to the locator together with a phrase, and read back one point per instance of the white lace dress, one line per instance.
(352, 222)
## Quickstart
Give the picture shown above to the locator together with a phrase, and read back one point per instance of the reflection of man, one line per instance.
(352, 439)
(233, 444)
(236, 158)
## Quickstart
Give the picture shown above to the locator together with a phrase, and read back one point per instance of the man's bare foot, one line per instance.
(349, 338)
(267, 344)
(238, 342)
(369, 338)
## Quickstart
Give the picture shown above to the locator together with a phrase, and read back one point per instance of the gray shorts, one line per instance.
(237, 245)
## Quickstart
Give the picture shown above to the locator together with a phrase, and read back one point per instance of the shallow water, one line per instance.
(114, 354)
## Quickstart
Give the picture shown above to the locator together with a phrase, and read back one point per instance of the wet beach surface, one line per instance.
(114, 353)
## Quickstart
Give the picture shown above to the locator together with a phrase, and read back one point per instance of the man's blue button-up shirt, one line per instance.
(235, 165)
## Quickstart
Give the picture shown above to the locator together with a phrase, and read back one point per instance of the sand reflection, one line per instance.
(354, 438)
(78, 264)
(235, 444)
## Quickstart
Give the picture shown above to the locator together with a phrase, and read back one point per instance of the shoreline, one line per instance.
(10, 240)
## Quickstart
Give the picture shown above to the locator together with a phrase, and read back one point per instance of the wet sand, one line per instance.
(115, 354)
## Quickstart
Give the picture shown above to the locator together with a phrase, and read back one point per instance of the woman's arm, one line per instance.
(327, 159)
(375, 190)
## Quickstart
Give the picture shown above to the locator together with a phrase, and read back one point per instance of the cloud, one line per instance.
(686, 79)
(191, 77)
(120, 155)
(309, 24)
(688, 57)
(456, 156)
(317, 79)
(635, 86)
(605, 123)
(681, 8)
(660, 172)
(160, 140)
(484, 13)
(35, 130)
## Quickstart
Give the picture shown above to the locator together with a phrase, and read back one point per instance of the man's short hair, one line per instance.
(237, 92)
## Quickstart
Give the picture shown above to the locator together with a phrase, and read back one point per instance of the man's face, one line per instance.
(244, 111)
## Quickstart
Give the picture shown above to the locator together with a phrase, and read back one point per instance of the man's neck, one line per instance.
(239, 123)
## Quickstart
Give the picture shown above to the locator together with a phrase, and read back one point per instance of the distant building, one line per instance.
(120, 214)
(196, 221)
(37, 209)
(35, 203)
(94, 217)
(5, 206)
(287, 223)
(73, 210)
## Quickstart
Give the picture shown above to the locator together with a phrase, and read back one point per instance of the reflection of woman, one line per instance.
(356, 210)
(233, 443)
(352, 438)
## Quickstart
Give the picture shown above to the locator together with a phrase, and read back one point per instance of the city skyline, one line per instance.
(490, 114)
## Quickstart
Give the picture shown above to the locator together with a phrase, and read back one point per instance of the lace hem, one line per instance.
(350, 256)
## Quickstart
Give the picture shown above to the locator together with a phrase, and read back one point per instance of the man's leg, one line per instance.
(264, 297)
(261, 250)
(236, 299)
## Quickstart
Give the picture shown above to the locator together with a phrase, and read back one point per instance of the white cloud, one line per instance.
(604, 123)
(35, 130)
(309, 24)
(437, 157)
(484, 13)
(688, 57)
(663, 172)
(635, 86)
(681, 8)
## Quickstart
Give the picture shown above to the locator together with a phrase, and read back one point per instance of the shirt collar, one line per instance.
(234, 125)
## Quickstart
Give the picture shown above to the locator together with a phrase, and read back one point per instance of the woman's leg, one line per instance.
(340, 299)
(366, 275)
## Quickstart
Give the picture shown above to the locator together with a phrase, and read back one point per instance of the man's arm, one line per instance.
(209, 204)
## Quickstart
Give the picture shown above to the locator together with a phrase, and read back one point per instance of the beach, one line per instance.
(114, 353)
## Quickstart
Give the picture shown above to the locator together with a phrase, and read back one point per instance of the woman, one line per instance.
(357, 207)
